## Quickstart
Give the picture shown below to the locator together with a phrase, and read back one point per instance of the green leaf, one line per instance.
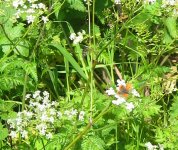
(170, 23)
(174, 110)
(4, 132)
(23, 49)
(167, 38)
(77, 5)
(93, 143)
(69, 57)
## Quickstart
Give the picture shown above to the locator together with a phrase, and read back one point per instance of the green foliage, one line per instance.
(77, 5)
(71, 60)
(93, 143)
(134, 41)
(13, 71)
(170, 24)
(4, 132)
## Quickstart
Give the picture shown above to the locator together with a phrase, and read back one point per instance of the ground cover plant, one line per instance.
(88, 74)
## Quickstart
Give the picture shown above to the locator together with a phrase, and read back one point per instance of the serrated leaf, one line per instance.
(4, 133)
(170, 23)
(77, 5)
(93, 143)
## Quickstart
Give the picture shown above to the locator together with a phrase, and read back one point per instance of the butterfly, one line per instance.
(124, 90)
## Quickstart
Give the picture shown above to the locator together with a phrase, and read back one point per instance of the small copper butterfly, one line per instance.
(124, 90)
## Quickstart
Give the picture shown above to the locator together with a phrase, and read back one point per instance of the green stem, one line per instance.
(24, 91)
(87, 128)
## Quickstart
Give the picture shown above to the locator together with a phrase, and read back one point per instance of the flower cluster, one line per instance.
(77, 38)
(40, 117)
(121, 93)
(149, 146)
(29, 10)
(170, 6)
(117, 2)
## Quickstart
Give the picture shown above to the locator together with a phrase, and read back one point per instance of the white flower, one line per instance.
(12, 123)
(42, 128)
(129, 106)
(81, 115)
(66, 112)
(49, 135)
(28, 114)
(72, 36)
(110, 91)
(135, 93)
(45, 93)
(30, 11)
(59, 114)
(18, 13)
(18, 121)
(27, 96)
(17, 3)
(46, 100)
(24, 134)
(117, 1)
(35, 6)
(121, 82)
(13, 134)
(41, 107)
(77, 40)
(44, 117)
(42, 6)
(149, 146)
(51, 119)
(32, 104)
(36, 94)
(24, 6)
(83, 32)
(169, 2)
(73, 112)
(119, 100)
(54, 103)
(45, 19)
(42, 131)
(30, 19)
(32, 1)
(52, 111)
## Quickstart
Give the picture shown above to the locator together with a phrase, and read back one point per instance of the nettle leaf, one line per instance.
(170, 24)
(93, 143)
(77, 5)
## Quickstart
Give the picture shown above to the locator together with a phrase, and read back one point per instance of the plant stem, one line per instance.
(105, 110)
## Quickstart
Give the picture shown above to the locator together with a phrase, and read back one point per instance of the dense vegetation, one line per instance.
(88, 74)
